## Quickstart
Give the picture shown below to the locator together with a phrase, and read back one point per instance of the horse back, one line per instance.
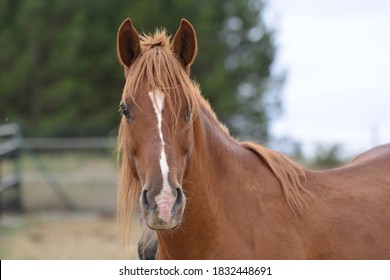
(373, 164)
(366, 177)
(379, 155)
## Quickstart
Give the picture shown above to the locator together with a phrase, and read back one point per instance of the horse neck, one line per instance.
(216, 178)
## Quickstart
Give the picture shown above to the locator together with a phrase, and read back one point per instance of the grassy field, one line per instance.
(46, 229)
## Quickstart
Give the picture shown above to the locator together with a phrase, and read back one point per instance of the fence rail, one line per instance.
(87, 143)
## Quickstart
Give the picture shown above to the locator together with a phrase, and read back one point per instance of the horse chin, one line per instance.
(155, 223)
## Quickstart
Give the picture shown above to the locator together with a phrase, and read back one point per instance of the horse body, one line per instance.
(209, 196)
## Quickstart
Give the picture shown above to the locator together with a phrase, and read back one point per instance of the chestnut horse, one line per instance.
(209, 196)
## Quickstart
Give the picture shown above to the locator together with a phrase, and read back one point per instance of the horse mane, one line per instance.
(290, 175)
(159, 67)
(129, 187)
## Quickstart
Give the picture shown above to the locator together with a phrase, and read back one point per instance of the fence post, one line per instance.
(17, 166)
(1, 190)
(10, 145)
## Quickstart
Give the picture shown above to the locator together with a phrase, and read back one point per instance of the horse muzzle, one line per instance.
(163, 211)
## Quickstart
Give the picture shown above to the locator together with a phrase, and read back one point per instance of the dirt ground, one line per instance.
(61, 235)
(46, 228)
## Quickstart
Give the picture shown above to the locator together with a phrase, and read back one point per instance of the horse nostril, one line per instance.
(179, 196)
(144, 200)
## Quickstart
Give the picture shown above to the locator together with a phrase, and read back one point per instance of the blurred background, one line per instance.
(307, 78)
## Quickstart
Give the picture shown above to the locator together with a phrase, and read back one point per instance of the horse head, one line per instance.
(158, 109)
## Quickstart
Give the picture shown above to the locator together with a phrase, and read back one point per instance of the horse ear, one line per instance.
(184, 43)
(128, 43)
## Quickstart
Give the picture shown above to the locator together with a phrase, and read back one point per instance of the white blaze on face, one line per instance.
(165, 199)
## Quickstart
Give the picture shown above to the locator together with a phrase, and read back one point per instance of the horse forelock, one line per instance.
(159, 39)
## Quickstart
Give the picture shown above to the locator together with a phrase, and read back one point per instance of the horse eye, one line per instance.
(187, 116)
(125, 111)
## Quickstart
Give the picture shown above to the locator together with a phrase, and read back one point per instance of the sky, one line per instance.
(337, 58)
